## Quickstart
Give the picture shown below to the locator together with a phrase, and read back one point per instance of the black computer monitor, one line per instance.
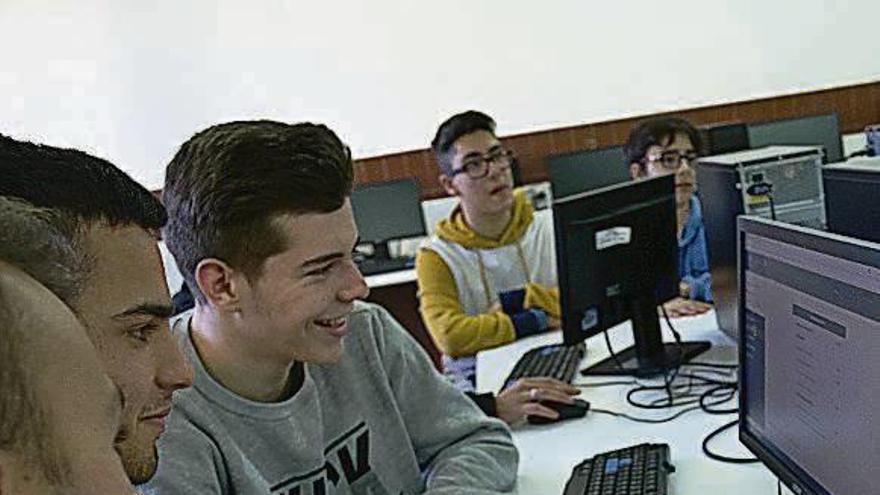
(813, 130)
(852, 200)
(387, 211)
(725, 137)
(809, 323)
(572, 173)
(617, 260)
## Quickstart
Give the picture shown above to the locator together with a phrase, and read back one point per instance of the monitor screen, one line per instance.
(809, 322)
(852, 206)
(572, 173)
(617, 260)
(815, 130)
(388, 210)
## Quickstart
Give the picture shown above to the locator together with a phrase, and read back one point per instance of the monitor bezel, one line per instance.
(662, 183)
(839, 246)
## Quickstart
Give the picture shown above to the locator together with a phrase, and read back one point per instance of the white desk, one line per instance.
(391, 278)
(549, 452)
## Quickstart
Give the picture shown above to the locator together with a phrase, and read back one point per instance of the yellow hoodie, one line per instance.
(460, 274)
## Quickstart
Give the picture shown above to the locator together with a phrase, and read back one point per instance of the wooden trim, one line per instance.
(857, 106)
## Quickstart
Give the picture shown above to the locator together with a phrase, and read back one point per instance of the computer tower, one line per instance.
(781, 182)
(852, 198)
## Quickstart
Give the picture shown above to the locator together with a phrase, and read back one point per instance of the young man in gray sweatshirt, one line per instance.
(300, 389)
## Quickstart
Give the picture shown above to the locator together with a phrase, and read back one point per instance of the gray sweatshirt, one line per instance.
(381, 421)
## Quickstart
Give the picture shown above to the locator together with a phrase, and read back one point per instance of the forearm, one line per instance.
(544, 298)
(458, 447)
(484, 462)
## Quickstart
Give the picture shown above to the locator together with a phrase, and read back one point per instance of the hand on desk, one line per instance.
(679, 307)
(520, 400)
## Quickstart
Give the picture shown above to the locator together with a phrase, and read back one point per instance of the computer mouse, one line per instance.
(566, 411)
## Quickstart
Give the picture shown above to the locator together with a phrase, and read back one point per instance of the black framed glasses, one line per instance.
(673, 159)
(477, 167)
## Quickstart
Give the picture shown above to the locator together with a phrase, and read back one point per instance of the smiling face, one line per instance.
(125, 308)
(296, 309)
(486, 196)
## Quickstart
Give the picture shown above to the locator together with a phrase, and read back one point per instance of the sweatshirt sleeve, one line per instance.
(544, 298)
(460, 450)
(455, 332)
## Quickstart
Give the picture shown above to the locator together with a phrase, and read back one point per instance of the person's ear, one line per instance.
(220, 284)
(635, 171)
(448, 186)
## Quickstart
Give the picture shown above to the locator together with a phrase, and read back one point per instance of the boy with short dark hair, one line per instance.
(300, 387)
(671, 145)
(488, 275)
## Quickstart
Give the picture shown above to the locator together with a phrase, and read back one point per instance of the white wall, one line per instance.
(130, 80)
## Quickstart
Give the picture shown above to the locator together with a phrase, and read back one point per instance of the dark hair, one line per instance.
(659, 131)
(30, 239)
(82, 189)
(87, 188)
(455, 127)
(229, 182)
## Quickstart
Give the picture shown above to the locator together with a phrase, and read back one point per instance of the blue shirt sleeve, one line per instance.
(694, 257)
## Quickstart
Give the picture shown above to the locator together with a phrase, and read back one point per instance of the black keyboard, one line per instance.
(555, 361)
(637, 470)
(375, 266)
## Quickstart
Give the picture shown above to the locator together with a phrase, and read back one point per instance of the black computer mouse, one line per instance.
(566, 411)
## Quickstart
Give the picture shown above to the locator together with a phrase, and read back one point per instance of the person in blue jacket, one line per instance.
(670, 145)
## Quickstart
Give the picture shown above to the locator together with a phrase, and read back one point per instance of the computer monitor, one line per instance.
(809, 339)
(617, 260)
(572, 173)
(725, 137)
(814, 130)
(852, 199)
(387, 211)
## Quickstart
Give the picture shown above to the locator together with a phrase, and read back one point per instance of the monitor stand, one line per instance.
(649, 356)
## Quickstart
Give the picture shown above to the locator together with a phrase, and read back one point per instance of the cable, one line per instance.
(706, 382)
(707, 407)
(724, 458)
(654, 420)
(605, 384)
(646, 420)
(611, 350)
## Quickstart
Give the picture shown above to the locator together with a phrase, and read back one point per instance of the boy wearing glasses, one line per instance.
(670, 145)
(488, 275)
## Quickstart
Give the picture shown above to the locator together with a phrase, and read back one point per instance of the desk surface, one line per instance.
(549, 452)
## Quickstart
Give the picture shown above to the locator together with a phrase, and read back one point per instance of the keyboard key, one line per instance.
(638, 470)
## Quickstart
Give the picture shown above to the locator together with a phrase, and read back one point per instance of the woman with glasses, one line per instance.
(488, 275)
(670, 145)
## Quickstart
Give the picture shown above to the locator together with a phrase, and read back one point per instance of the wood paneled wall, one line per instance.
(857, 107)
